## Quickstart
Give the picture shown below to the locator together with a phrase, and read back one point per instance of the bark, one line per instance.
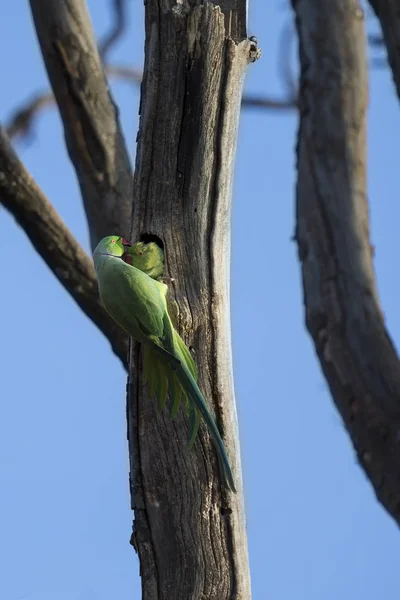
(90, 117)
(189, 530)
(342, 308)
(54, 242)
(388, 14)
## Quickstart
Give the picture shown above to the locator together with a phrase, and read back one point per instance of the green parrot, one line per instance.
(127, 277)
(149, 258)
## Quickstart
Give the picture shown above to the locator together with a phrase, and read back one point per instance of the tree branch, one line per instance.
(342, 308)
(269, 103)
(388, 14)
(286, 40)
(117, 30)
(92, 131)
(22, 119)
(54, 242)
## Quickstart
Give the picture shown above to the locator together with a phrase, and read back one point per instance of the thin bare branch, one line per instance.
(288, 78)
(343, 313)
(21, 121)
(268, 103)
(376, 40)
(50, 237)
(124, 73)
(118, 28)
(91, 124)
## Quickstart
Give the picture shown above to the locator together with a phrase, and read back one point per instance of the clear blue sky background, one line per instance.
(314, 527)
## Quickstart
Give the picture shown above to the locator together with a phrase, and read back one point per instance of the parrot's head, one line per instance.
(112, 245)
(149, 258)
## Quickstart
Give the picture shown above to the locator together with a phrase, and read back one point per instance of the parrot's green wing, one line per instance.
(134, 301)
(138, 304)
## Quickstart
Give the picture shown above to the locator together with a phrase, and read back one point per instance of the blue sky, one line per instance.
(314, 527)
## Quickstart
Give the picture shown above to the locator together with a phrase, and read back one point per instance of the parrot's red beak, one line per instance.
(126, 243)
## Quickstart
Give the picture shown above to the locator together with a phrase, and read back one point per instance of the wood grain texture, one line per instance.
(189, 530)
(388, 13)
(92, 132)
(51, 238)
(342, 309)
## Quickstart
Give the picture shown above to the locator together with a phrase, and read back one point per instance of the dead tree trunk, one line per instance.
(189, 531)
(343, 313)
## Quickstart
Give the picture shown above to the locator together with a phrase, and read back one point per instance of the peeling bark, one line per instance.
(343, 314)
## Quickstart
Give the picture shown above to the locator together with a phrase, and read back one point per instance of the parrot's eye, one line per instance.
(113, 241)
(140, 253)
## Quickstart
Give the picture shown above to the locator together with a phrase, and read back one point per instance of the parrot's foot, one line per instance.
(255, 50)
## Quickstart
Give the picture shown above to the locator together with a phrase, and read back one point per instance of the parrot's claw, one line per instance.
(255, 50)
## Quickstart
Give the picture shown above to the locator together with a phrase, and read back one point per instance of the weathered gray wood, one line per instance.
(388, 13)
(343, 314)
(91, 124)
(51, 238)
(189, 530)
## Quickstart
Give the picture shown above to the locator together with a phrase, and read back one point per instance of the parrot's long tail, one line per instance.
(191, 388)
(178, 378)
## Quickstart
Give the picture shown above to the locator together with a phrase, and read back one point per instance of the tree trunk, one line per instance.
(189, 530)
(343, 313)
